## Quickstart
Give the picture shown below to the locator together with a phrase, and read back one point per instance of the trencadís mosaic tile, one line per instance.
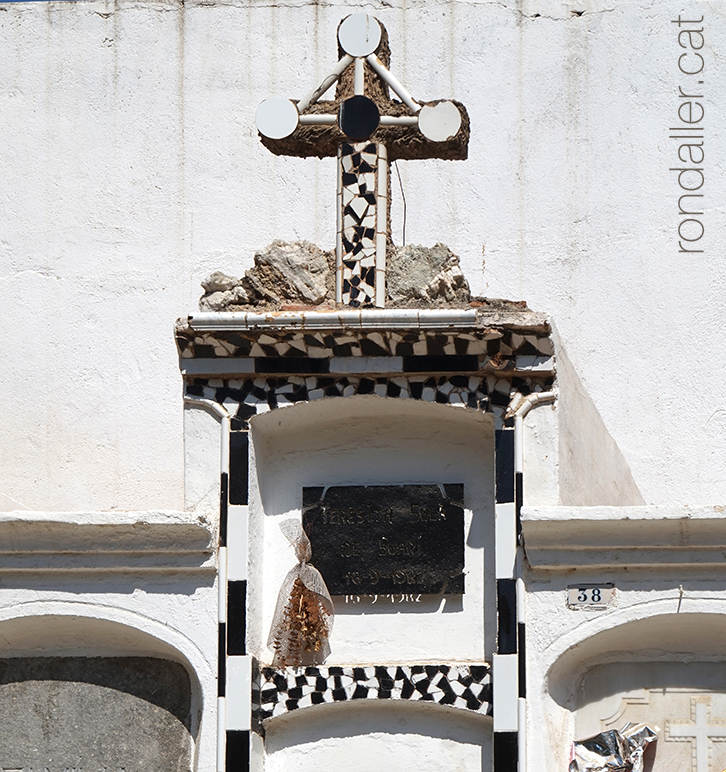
(279, 691)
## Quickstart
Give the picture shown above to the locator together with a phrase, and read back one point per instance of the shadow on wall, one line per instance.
(593, 470)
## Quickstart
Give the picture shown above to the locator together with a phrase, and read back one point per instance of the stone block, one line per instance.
(88, 714)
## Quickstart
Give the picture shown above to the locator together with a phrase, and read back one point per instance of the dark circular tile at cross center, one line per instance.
(358, 117)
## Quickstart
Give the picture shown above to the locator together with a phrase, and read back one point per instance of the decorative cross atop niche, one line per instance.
(366, 130)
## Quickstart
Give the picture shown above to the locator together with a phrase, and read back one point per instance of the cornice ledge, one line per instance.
(106, 541)
(607, 537)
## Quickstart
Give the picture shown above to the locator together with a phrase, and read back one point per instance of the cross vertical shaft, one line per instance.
(362, 223)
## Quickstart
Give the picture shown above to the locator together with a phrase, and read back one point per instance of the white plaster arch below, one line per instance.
(401, 735)
(645, 631)
(63, 629)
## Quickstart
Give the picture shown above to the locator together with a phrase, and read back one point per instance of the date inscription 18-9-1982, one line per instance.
(379, 539)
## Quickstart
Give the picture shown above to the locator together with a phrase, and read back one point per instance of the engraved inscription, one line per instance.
(390, 547)
(387, 539)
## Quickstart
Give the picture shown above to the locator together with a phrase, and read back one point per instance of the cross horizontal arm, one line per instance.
(329, 119)
(316, 137)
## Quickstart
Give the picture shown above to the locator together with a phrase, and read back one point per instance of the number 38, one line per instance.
(594, 597)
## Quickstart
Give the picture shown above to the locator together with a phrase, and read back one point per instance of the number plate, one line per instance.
(593, 595)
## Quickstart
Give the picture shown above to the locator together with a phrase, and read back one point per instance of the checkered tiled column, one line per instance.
(508, 681)
(235, 665)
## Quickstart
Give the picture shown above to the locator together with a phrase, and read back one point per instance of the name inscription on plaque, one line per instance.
(379, 539)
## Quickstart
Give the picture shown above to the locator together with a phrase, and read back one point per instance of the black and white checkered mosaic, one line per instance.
(481, 369)
(489, 394)
(500, 349)
(277, 692)
(358, 188)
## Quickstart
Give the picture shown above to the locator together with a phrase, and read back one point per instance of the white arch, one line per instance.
(61, 628)
(356, 731)
(648, 630)
(644, 631)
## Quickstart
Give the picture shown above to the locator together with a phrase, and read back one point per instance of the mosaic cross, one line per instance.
(699, 731)
(365, 130)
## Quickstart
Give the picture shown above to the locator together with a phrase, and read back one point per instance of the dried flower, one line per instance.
(305, 626)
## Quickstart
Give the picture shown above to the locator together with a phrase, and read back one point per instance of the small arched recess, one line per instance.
(80, 689)
(401, 735)
(665, 669)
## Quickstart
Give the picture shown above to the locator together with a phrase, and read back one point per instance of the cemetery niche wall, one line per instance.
(368, 530)
(649, 649)
(493, 583)
(99, 666)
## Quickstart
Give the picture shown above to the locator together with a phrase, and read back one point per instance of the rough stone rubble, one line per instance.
(299, 274)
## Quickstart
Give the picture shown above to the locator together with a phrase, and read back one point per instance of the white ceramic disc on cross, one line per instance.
(276, 118)
(439, 122)
(359, 34)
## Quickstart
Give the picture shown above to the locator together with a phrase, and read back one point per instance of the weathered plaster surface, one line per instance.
(133, 170)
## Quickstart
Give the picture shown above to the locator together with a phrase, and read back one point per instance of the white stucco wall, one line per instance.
(669, 608)
(132, 169)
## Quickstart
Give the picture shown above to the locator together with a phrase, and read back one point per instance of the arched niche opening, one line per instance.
(82, 692)
(666, 670)
(369, 440)
(399, 736)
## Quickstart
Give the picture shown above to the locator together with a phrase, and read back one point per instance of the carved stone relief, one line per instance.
(686, 700)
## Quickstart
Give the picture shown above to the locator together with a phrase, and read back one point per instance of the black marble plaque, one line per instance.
(382, 539)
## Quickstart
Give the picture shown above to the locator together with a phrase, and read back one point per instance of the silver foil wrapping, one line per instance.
(613, 751)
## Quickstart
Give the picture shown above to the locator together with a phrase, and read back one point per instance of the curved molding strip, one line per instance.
(279, 691)
(386, 318)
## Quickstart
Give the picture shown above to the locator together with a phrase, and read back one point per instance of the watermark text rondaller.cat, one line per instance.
(688, 131)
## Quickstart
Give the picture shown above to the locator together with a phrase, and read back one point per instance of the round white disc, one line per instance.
(439, 122)
(276, 118)
(359, 34)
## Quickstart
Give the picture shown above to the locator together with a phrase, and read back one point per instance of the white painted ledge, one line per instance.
(385, 318)
(110, 541)
(561, 538)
